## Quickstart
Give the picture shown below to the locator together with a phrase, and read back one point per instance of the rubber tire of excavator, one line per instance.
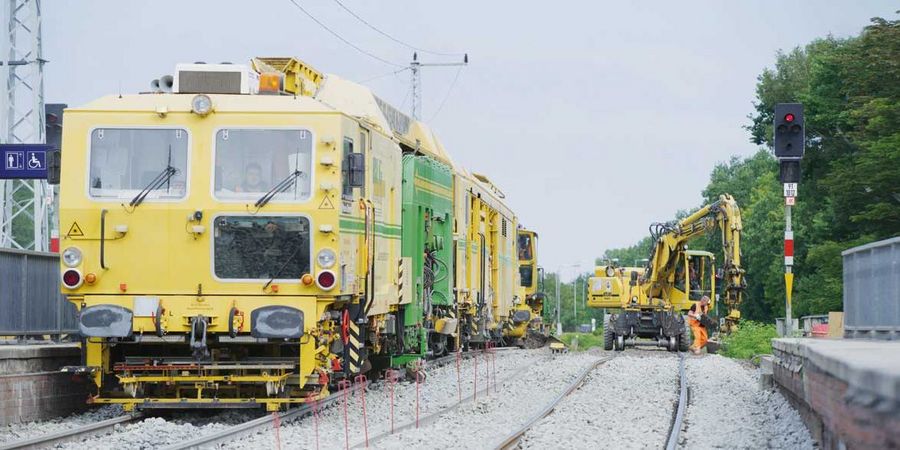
(685, 340)
(609, 338)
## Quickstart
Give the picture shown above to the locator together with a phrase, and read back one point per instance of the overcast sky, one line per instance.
(595, 118)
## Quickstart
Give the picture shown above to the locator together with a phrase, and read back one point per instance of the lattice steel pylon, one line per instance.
(26, 204)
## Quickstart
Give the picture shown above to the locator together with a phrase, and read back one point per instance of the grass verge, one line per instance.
(750, 339)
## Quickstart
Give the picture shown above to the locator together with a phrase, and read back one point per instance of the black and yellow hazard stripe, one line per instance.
(354, 353)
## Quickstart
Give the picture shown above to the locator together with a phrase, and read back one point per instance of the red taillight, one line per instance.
(325, 279)
(71, 278)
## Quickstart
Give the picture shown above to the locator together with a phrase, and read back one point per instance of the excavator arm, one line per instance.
(671, 239)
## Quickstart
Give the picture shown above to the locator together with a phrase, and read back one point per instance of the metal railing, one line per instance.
(30, 301)
(872, 290)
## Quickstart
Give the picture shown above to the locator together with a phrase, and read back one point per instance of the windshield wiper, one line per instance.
(277, 189)
(283, 265)
(154, 184)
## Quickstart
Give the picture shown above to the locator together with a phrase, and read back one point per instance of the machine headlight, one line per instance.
(610, 271)
(201, 104)
(71, 256)
(326, 258)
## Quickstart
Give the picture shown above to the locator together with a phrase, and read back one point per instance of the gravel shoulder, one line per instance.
(626, 403)
(728, 410)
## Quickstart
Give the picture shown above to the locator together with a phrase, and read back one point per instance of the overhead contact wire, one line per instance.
(377, 30)
(341, 38)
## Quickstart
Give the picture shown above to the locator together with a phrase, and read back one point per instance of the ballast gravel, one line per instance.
(20, 431)
(156, 432)
(623, 404)
(487, 421)
(442, 387)
(727, 409)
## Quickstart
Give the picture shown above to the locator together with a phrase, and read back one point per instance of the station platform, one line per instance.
(847, 390)
(33, 388)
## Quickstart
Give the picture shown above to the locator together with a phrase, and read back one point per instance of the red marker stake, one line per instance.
(458, 376)
(418, 370)
(276, 422)
(344, 386)
(361, 385)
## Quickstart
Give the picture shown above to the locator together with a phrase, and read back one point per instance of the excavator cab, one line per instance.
(694, 277)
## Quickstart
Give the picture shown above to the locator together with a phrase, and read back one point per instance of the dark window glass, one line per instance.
(524, 247)
(261, 247)
(526, 274)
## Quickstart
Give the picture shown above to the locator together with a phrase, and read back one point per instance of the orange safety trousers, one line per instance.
(700, 336)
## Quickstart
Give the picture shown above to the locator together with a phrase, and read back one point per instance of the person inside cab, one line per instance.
(253, 180)
(701, 335)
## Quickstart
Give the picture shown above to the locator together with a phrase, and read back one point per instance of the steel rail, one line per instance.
(513, 438)
(257, 425)
(678, 418)
(430, 418)
(266, 422)
(75, 434)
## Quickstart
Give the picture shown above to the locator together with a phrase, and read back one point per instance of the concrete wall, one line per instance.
(31, 386)
(848, 392)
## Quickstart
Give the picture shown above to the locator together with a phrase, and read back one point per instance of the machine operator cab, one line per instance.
(530, 275)
(695, 276)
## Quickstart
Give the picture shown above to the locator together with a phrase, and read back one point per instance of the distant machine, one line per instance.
(649, 302)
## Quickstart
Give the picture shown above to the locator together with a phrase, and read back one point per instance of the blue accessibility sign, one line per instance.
(21, 161)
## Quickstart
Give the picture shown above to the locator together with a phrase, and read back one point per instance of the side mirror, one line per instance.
(356, 169)
(540, 279)
(53, 167)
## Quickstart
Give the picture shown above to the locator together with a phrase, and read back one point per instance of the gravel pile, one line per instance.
(728, 410)
(625, 403)
(19, 431)
(437, 392)
(485, 423)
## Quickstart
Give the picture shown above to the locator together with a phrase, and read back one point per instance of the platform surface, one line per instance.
(871, 365)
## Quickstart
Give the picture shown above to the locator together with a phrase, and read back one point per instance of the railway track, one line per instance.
(671, 439)
(512, 440)
(429, 418)
(75, 434)
(678, 416)
(269, 421)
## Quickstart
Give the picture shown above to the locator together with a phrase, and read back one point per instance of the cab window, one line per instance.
(526, 275)
(524, 247)
(125, 161)
(251, 162)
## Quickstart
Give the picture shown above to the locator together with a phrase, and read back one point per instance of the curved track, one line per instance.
(678, 417)
(513, 438)
(425, 420)
(268, 421)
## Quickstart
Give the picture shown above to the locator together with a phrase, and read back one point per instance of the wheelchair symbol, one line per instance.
(35, 163)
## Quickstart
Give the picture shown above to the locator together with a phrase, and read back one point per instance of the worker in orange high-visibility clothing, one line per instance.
(700, 334)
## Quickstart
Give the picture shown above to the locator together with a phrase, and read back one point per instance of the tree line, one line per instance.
(849, 193)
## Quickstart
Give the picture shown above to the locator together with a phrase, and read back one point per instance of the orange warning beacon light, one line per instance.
(271, 83)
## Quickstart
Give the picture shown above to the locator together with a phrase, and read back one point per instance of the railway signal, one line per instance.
(789, 142)
(789, 131)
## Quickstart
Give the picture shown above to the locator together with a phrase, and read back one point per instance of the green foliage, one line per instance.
(628, 256)
(849, 193)
(750, 339)
(585, 340)
(567, 310)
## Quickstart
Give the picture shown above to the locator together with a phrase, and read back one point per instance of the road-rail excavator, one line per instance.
(649, 302)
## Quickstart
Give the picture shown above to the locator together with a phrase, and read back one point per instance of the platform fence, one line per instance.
(31, 305)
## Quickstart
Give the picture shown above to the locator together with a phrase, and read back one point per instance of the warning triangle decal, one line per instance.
(75, 230)
(326, 203)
